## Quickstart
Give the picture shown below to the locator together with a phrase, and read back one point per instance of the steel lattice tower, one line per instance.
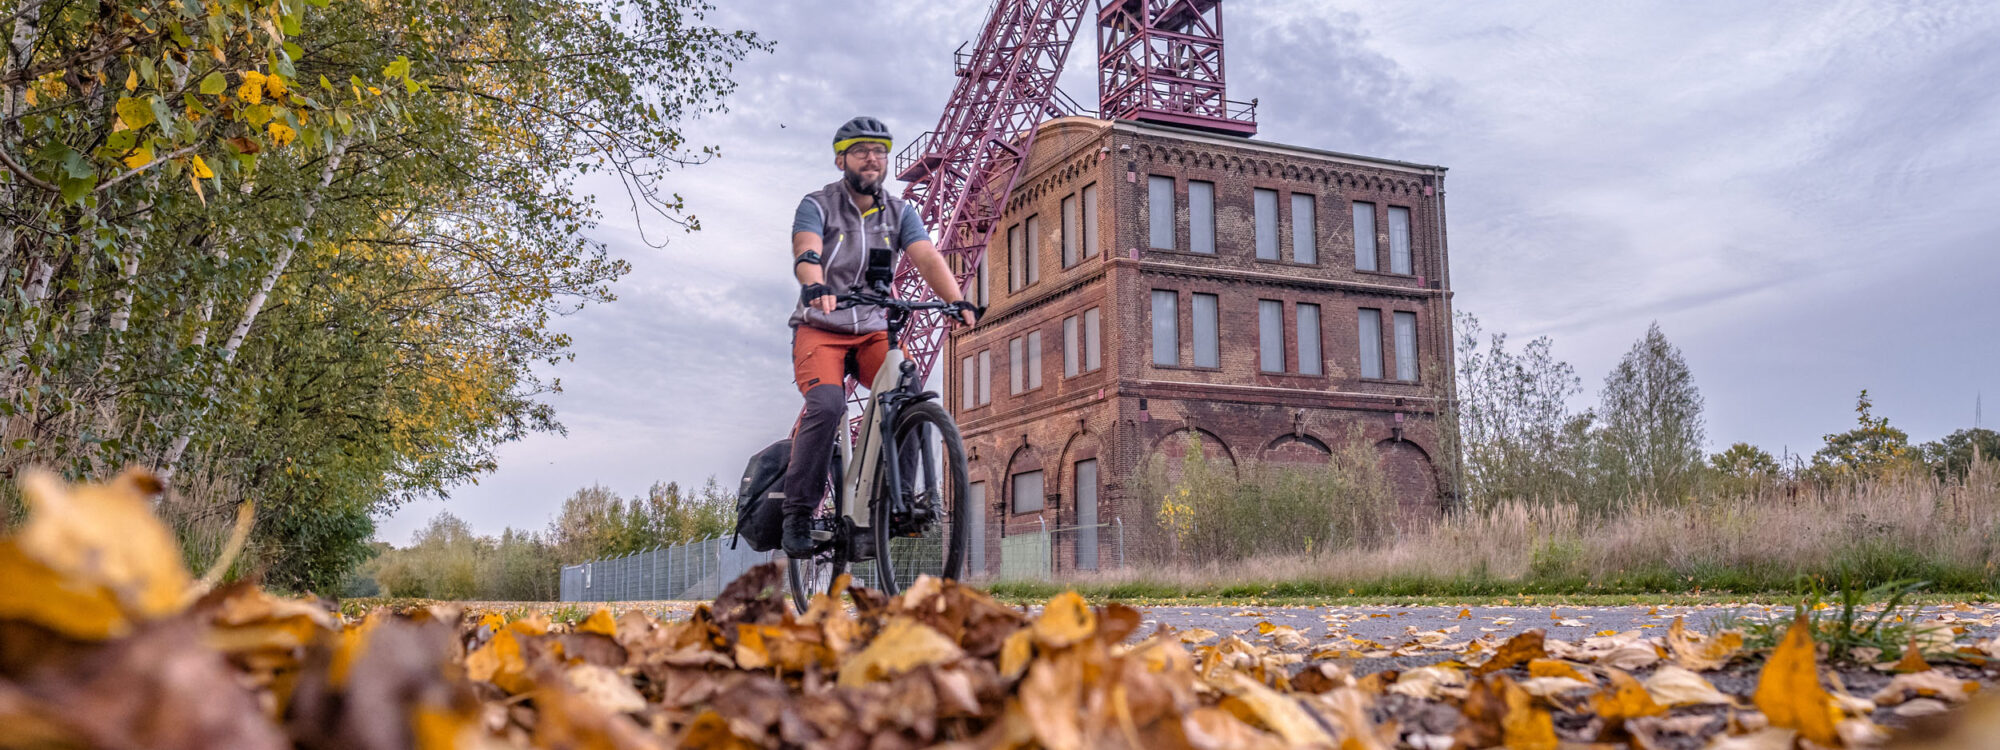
(1161, 61)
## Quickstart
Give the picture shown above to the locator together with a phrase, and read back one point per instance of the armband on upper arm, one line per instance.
(809, 256)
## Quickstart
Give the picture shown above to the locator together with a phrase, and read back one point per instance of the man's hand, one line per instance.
(818, 296)
(966, 313)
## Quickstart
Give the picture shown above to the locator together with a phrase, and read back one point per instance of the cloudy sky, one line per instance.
(1805, 195)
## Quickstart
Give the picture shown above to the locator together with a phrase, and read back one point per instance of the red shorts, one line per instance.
(824, 357)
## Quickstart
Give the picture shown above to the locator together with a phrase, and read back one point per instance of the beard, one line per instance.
(861, 184)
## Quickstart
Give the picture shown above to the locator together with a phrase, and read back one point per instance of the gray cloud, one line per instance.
(1800, 192)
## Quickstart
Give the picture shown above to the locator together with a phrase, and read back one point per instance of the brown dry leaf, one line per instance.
(1518, 650)
(1927, 684)
(1465, 614)
(904, 644)
(1197, 635)
(1050, 698)
(1769, 738)
(1278, 713)
(1066, 619)
(1913, 658)
(1696, 653)
(91, 560)
(1543, 687)
(1788, 690)
(1215, 729)
(1673, 686)
(605, 687)
(1631, 655)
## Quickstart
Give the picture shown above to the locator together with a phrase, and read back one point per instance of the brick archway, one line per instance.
(1412, 479)
(1295, 450)
(1171, 450)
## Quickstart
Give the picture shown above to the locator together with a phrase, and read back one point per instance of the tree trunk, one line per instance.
(293, 238)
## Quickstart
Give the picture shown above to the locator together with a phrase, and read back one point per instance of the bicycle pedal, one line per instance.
(822, 535)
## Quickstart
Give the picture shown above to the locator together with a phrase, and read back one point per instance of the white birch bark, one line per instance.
(293, 238)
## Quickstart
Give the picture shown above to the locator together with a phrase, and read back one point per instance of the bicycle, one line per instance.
(906, 440)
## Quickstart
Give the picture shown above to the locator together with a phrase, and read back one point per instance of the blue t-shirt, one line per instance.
(809, 219)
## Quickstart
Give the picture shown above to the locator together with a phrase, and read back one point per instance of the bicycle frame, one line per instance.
(858, 483)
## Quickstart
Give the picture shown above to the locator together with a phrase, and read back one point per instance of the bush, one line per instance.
(1205, 515)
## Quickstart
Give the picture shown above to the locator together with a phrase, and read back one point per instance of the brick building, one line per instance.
(1149, 280)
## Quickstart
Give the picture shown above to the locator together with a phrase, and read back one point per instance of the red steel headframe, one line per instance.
(961, 172)
(1161, 61)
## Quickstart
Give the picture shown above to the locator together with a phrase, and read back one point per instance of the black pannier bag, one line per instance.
(760, 500)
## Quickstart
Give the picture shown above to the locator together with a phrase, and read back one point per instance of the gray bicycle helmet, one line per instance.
(863, 129)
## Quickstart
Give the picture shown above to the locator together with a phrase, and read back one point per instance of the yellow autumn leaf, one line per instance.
(501, 663)
(903, 645)
(134, 113)
(138, 157)
(1065, 620)
(252, 90)
(132, 79)
(1015, 652)
(199, 168)
(600, 622)
(1625, 699)
(281, 134)
(1789, 693)
(1555, 668)
(1525, 726)
(91, 560)
(275, 86)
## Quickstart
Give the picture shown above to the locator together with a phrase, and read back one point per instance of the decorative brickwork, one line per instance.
(1248, 412)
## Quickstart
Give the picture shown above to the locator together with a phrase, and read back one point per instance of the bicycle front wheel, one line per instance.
(925, 532)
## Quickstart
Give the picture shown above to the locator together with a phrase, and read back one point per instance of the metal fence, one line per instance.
(698, 570)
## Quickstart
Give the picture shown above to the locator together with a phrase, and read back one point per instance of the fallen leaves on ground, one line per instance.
(107, 641)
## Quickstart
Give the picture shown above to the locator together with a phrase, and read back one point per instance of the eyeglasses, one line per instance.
(873, 152)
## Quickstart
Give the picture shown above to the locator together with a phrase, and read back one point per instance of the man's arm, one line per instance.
(930, 263)
(810, 273)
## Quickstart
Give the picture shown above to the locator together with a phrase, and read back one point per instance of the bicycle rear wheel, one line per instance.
(926, 532)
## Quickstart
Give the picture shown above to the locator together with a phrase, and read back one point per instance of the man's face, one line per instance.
(864, 165)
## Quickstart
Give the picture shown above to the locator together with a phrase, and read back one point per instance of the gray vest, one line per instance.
(844, 242)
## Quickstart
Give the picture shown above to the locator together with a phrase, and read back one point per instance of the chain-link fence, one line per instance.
(699, 570)
(1039, 551)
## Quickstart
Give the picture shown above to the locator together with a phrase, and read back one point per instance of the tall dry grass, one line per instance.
(1772, 537)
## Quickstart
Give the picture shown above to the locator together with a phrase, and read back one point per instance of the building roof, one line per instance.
(1135, 126)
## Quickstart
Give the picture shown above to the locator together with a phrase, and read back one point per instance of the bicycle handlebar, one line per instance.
(858, 297)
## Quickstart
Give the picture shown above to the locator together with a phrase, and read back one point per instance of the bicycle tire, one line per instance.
(953, 518)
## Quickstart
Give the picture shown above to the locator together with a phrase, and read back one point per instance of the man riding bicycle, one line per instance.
(832, 232)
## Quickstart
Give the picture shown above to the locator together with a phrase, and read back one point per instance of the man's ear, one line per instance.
(840, 162)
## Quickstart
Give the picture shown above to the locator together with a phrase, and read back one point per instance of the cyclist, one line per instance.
(832, 234)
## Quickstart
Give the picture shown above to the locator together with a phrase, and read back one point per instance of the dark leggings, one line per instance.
(812, 450)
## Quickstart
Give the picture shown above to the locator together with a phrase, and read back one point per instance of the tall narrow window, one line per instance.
(1207, 352)
(980, 282)
(1015, 266)
(1070, 231)
(1160, 211)
(1028, 491)
(975, 503)
(968, 384)
(1166, 327)
(1399, 240)
(986, 377)
(1015, 370)
(1033, 253)
(1308, 333)
(1371, 343)
(1072, 363)
(1265, 204)
(1305, 230)
(1034, 360)
(1364, 236)
(1093, 351)
(1086, 514)
(1270, 335)
(1090, 221)
(1406, 346)
(1201, 216)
